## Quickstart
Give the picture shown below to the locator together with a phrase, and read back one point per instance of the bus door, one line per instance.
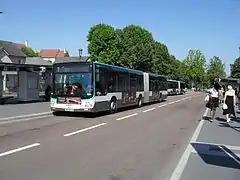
(133, 89)
(123, 81)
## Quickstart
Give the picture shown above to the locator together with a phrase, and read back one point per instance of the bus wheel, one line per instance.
(113, 106)
(160, 98)
(140, 101)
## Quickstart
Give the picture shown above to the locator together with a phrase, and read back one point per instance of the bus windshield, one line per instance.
(74, 84)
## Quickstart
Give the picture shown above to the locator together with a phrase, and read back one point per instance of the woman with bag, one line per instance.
(229, 103)
(212, 102)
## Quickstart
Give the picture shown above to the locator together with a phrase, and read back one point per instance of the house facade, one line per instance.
(53, 54)
(11, 53)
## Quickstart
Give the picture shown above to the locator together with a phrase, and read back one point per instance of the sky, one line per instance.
(211, 26)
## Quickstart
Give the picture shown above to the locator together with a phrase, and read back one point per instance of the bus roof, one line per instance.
(119, 68)
(172, 80)
(157, 75)
(82, 59)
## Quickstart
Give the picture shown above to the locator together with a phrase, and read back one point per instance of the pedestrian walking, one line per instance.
(221, 95)
(212, 102)
(229, 103)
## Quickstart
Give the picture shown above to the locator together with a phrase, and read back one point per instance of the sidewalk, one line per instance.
(12, 110)
(216, 152)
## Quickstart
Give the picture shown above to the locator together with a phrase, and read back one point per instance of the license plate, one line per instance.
(69, 108)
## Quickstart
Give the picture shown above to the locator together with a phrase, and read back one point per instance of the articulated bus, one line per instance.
(93, 87)
(176, 87)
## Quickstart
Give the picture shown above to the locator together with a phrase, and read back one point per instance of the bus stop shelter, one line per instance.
(29, 75)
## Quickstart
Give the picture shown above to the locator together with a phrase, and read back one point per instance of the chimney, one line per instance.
(26, 43)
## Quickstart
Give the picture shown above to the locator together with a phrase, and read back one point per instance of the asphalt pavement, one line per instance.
(141, 143)
(213, 152)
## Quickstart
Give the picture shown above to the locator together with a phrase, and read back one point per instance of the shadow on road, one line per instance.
(218, 155)
(221, 119)
(98, 114)
(236, 128)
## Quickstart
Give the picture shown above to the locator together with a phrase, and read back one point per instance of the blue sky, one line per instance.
(209, 25)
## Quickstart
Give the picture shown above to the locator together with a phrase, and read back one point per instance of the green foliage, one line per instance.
(103, 44)
(195, 66)
(29, 52)
(236, 69)
(135, 47)
(215, 69)
(161, 59)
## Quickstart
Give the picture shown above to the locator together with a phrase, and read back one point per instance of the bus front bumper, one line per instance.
(71, 110)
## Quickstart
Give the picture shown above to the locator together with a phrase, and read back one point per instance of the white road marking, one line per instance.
(230, 155)
(184, 159)
(125, 117)
(85, 129)
(19, 149)
(23, 120)
(162, 105)
(25, 116)
(151, 109)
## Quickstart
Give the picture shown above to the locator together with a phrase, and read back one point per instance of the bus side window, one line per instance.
(112, 81)
(101, 79)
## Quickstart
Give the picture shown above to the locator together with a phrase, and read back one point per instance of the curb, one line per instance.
(25, 116)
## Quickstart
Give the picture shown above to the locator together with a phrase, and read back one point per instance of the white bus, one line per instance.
(93, 87)
(176, 87)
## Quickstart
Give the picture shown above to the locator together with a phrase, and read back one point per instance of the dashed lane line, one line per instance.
(19, 149)
(151, 109)
(85, 129)
(125, 117)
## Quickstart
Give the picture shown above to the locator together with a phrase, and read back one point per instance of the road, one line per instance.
(137, 144)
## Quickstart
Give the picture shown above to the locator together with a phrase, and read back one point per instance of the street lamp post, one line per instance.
(80, 52)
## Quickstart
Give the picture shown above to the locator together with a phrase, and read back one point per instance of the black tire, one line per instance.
(113, 106)
(56, 113)
(160, 98)
(139, 101)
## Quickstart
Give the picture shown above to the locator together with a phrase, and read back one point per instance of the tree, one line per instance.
(161, 59)
(103, 44)
(195, 67)
(136, 48)
(29, 52)
(215, 69)
(236, 69)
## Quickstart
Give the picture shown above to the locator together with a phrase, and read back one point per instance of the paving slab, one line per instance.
(210, 167)
(216, 153)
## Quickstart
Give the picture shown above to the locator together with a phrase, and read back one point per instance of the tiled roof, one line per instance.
(52, 53)
(12, 50)
(18, 45)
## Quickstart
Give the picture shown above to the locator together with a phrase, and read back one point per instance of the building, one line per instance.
(11, 53)
(52, 54)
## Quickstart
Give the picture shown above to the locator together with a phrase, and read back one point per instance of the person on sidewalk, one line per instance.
(212, 102)
(229, 103)
(221, 95)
